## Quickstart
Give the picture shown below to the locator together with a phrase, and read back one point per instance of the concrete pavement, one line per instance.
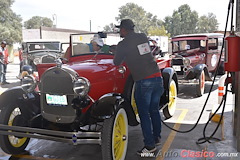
(11, 75)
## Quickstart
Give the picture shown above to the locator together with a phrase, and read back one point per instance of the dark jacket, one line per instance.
(134, 49)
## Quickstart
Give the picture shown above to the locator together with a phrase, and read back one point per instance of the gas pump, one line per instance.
(232, 65)
(232, 53)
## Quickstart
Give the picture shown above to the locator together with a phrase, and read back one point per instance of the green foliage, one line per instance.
(142, 19)
(36, 21)
(10, 23)
(183, 21)
(158, 31)
(207, 24)
(109, 28)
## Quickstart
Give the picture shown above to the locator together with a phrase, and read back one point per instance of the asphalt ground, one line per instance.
(175, 146)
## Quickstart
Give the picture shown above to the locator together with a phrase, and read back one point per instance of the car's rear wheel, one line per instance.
(12, 115)
(115, 136)
(200, 87)
(169, 110)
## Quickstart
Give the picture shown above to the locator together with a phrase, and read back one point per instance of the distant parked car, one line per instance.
(196, 57)
(156, 50)
(36, 52)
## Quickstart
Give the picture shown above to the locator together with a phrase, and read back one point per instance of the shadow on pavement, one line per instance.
(188, 91)
(13, 84)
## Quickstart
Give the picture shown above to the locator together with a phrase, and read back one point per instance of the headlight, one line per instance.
(36, 61)
(186, 61)
(29, 83)
(81, 86)
(29, 56)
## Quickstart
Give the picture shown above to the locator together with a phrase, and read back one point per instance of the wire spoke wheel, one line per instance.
(115, 136)
(11, 115)
(15, 141)
(200, 87)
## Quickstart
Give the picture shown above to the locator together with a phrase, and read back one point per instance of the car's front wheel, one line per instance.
(200, 87)
(12, 115)
(115, 136)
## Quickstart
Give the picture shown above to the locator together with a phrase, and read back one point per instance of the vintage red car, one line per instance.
(195, 58)
(87, 100)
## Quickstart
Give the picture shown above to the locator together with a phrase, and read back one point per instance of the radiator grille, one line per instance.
(56, 81)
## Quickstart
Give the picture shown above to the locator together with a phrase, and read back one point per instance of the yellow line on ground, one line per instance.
(32, 157)
(172, 135)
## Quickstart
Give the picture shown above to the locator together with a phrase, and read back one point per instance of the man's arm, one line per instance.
(120, 54)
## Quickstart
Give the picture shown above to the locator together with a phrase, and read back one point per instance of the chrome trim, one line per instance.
(74, 138)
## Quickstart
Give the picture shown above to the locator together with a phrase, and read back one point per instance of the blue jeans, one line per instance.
(3, 69)
(147, 97)
(2, 74)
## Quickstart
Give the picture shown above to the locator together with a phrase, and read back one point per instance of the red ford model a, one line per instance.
(88, 100)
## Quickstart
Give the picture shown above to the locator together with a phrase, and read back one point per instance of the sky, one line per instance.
(77, 14)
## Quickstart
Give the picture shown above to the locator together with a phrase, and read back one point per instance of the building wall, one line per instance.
(29, 34)
(49, 33)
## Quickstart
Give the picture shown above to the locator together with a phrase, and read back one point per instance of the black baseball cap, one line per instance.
(3, 42)
(126, 23)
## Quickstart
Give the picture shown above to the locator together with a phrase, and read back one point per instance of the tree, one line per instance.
(158, 31)
(183, 21)
(10, 23)
(109, 28)
(142, 19)
(207, 24)
(36, 21)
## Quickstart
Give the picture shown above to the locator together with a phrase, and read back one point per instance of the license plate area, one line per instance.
(56, 100)
(177, 68)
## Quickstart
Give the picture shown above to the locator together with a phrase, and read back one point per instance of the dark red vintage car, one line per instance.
(195, 58)
(87, 100)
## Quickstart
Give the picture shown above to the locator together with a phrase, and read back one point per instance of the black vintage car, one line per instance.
(37, 52)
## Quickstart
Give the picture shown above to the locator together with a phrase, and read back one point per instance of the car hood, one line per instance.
(87, 68)
(91, 66)
(39, 54)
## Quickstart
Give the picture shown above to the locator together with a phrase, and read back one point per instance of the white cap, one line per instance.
(98, 40)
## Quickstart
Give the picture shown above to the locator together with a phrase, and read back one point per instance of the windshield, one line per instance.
(43, 46)
(94, 43)
(188, 44)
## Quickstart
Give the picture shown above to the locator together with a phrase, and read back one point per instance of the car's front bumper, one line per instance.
(74, 138)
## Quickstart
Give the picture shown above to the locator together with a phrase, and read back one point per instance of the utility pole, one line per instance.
(238, 16)
(90, 26)
(237, 84)
(54, 16)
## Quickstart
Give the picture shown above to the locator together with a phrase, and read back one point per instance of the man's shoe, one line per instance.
(146, 150)
(158, 141)
(5, 83)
